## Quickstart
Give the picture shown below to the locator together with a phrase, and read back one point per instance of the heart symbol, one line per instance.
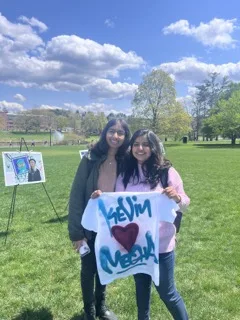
(127, 235)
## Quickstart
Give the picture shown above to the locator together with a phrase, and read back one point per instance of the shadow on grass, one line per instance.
(78, 317)
(55, 220)
(220, 146)
(5, 233)
(42, 314)
(166, 145)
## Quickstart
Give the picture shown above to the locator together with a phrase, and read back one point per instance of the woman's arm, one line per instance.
(175, 181)
(77, 201)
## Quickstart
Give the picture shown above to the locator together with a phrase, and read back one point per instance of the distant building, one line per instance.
(7, 120)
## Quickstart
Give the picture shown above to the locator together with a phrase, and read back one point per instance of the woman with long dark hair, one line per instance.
(97, 170)
(142, 174)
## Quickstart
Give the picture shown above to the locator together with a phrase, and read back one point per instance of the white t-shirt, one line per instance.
(127, 226)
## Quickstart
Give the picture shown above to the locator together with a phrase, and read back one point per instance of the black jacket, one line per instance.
(85, 182)
(34, 175)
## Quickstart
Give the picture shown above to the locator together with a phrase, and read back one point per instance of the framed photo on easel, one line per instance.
(23, 168)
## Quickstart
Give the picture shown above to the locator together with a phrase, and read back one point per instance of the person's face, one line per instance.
(115, 136)
(141, 149)
(32, 163)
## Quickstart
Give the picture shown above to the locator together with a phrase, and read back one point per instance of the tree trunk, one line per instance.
(233, 139)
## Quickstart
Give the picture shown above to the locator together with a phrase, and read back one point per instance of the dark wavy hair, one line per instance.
(101, 147)
(151, 167)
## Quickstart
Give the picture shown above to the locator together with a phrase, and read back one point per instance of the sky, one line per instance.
(91, 55)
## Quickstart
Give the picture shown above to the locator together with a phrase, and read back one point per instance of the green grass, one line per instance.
(6, 136)
(39, 271)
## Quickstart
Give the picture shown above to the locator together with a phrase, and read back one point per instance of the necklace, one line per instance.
(111, 161)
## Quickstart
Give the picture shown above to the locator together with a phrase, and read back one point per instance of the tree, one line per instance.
(207, 95)
(176, 122)
(232, 87)
(75, 121)
(90, 123)
(101, 121)
(119, 115)
(227, 119)
(154, 95)
(27, 122)
(135, 123)
(62, 122)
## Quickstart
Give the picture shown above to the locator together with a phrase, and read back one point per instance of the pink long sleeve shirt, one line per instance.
(167, 231)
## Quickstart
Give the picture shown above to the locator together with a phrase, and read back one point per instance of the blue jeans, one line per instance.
(166, 290)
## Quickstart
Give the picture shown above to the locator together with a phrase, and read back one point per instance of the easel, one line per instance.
(12, 207)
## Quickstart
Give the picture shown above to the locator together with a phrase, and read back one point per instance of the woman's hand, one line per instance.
(77, 244)
(96, 194)
(171, 193)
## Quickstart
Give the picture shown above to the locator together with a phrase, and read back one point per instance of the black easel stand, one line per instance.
(12, 207)
(11, 212)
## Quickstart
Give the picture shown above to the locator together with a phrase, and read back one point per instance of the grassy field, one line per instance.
(40, 137)
(39, 271)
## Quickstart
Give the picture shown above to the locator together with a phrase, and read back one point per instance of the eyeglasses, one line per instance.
(120, 133)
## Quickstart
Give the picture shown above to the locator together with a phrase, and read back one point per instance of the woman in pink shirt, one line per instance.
(142, 174)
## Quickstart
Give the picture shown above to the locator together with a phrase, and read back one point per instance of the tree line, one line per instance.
(213, 110)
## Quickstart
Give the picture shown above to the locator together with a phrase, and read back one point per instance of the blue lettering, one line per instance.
(124, 211)
(137, 256)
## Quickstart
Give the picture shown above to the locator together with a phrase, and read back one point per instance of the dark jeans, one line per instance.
(88, 275)
(166, 290)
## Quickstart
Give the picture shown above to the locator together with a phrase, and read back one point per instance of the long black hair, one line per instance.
(101, 147)
(151, 167)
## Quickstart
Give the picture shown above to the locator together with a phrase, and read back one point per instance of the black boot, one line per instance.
(103, 313)
(89, 312)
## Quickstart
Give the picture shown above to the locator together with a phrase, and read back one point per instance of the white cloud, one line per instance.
(20, 97)
(48, 107)
(93, 107)
(109, 23)
(90, 58)
(215, 33)
(192, 71)
(103, 88)
(34, 23)
(11, 106)
(17, 37)
(65, 62)
(96, 107)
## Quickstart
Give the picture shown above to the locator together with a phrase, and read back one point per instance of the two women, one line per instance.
(142, 174)
(98, 170)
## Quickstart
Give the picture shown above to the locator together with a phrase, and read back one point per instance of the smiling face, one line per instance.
(32, 164)
(115, 136)
(141, 149)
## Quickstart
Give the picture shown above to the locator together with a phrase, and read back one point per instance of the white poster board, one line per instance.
(23, 168)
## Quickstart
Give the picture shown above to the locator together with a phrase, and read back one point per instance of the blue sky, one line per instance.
(91, 55)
